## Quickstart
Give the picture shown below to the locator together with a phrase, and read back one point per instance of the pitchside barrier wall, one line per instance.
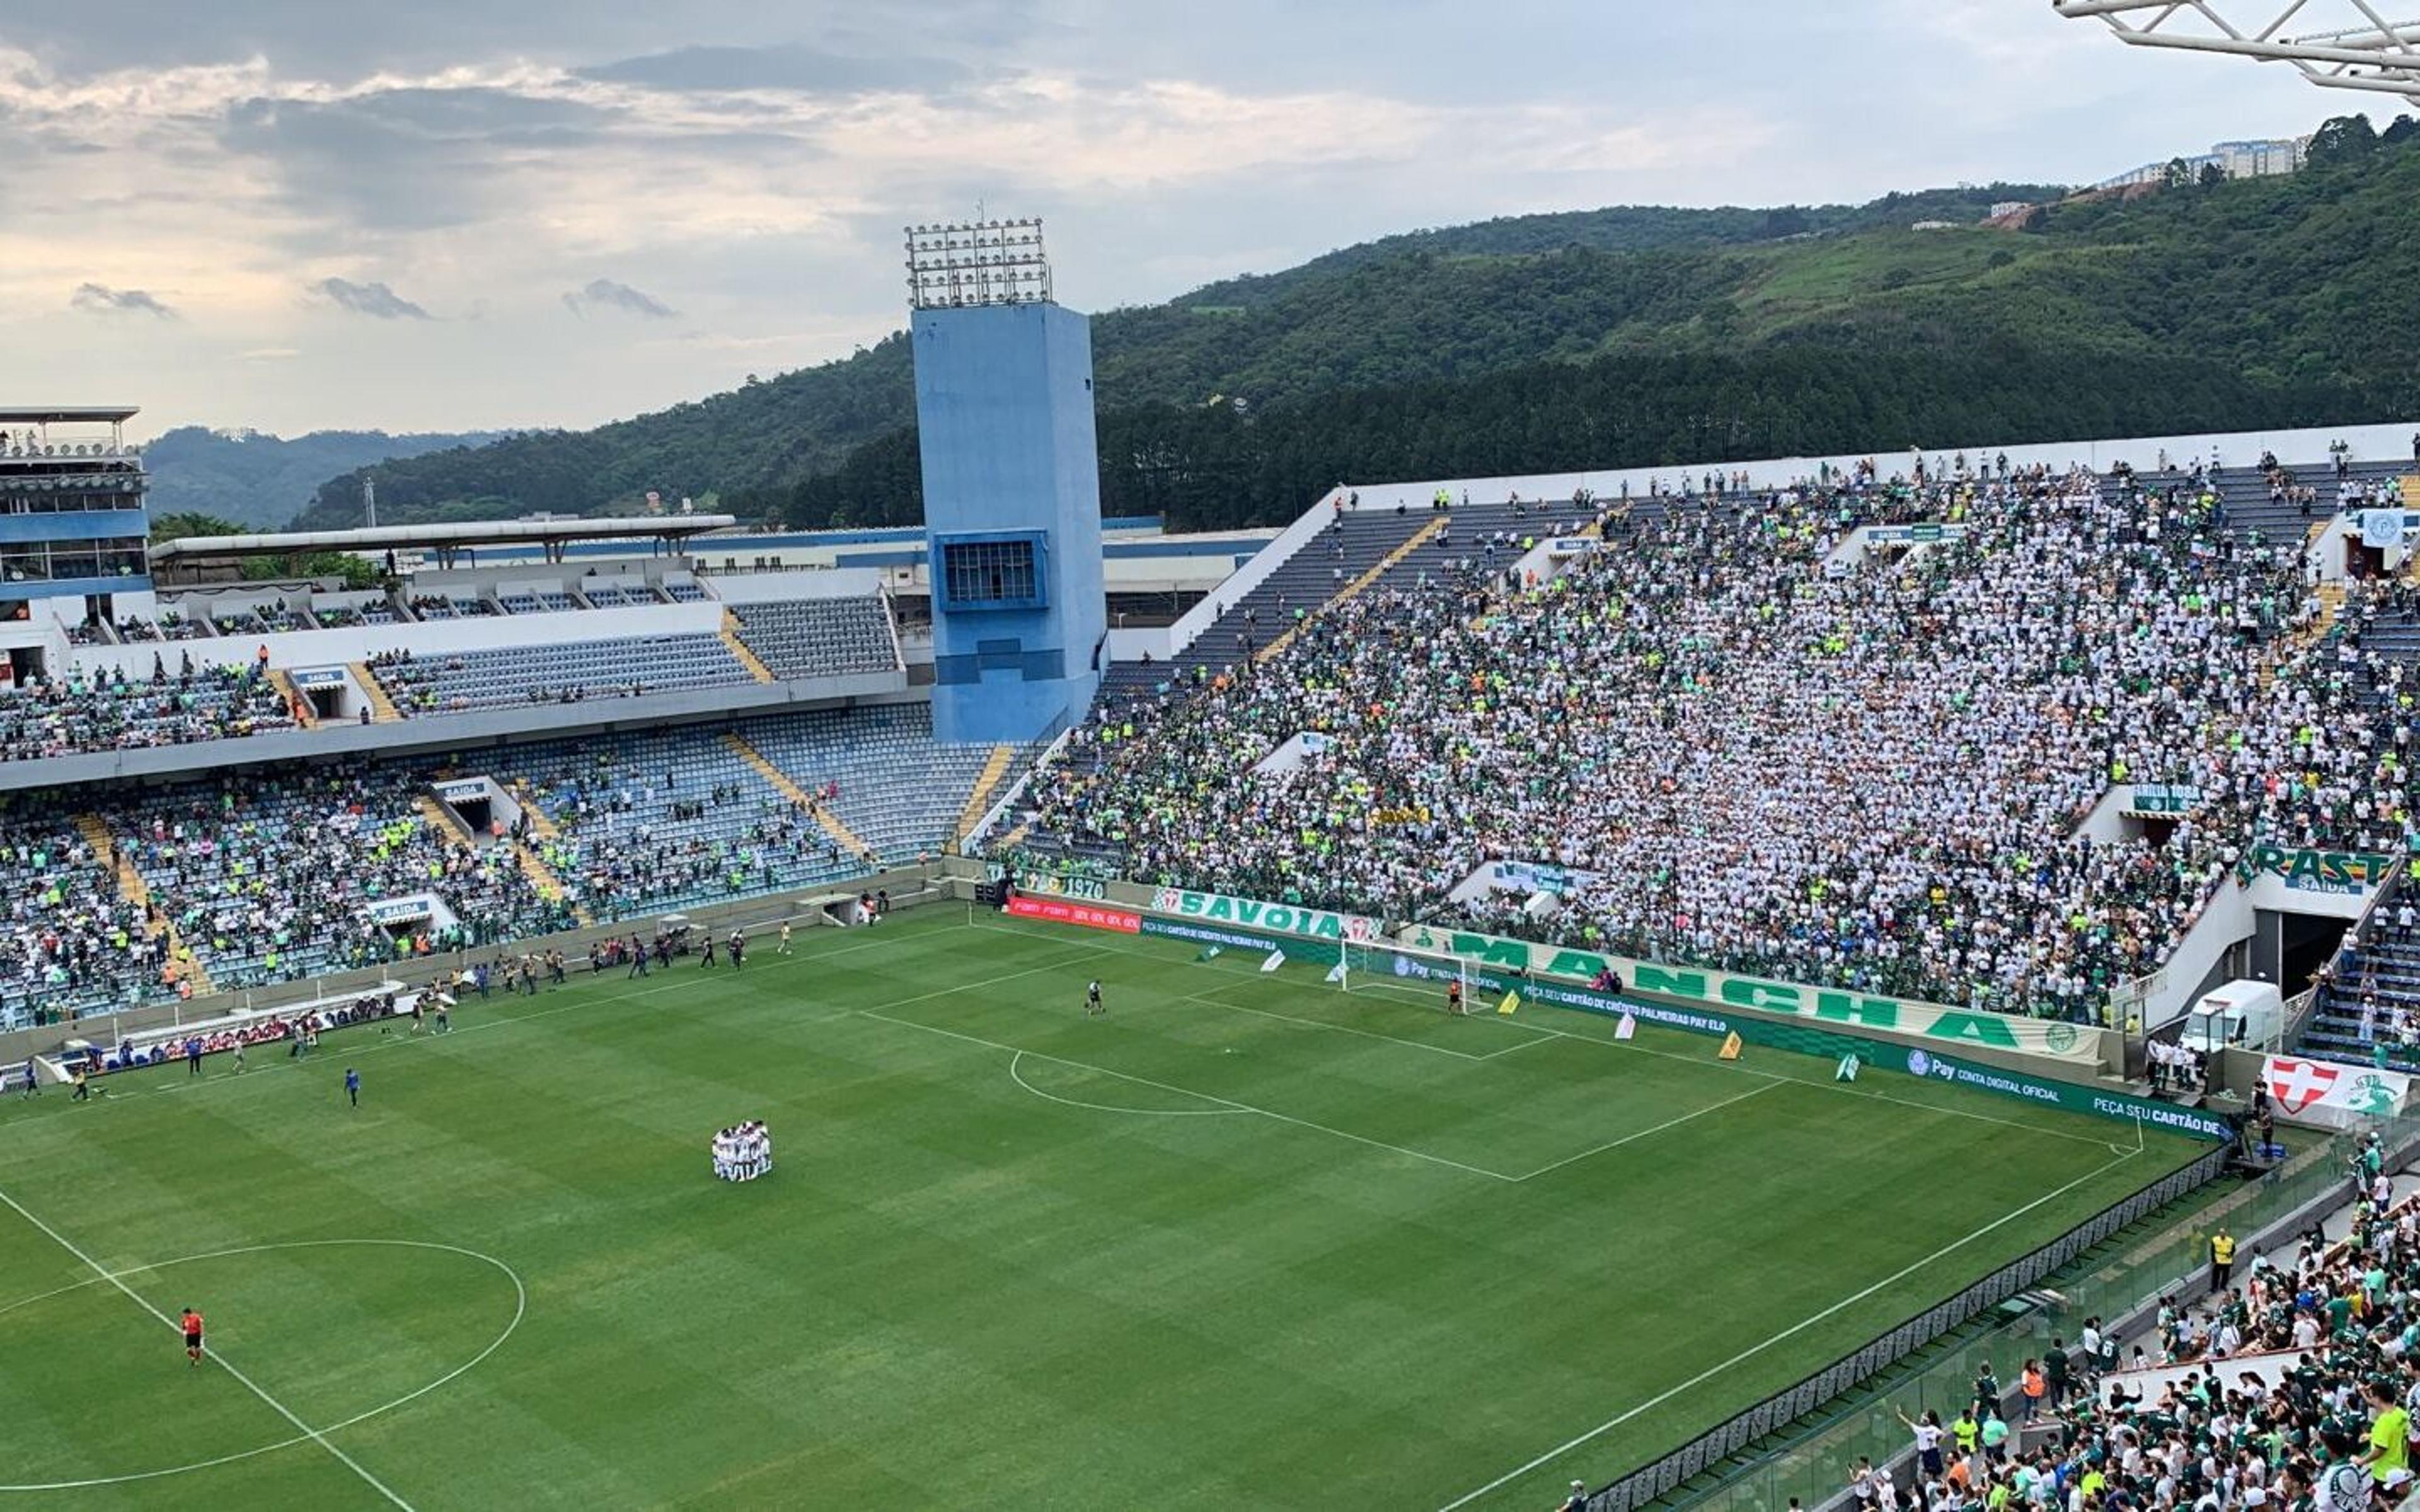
(908, 886)
(1815, 1020)
(2029, 1059)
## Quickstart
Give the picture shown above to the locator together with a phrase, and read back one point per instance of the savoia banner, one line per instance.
(1277, 919)
(1716, 989)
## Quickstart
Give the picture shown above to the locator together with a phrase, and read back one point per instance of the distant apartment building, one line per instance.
(2237, 160)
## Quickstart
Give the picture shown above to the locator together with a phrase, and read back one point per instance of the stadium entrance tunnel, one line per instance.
(338, 1330)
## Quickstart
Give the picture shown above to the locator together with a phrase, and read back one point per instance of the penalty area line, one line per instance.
(221, 1361)
(1754, 1349)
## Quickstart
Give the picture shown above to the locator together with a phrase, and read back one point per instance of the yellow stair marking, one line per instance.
(1351, 590)
(534, 863)
(132, 887)
(2332, 597)
(540, 825)
(2411, 490)
(783, 785)
(748, 659)
(381, 707)
(294, 700)
(979, 801)
(443, 820)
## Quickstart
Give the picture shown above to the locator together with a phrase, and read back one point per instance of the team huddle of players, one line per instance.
(743, 1152)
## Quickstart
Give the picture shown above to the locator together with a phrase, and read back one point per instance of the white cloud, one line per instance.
(758, 167)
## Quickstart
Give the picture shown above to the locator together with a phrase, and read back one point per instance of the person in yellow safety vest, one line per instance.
(2222, 1260)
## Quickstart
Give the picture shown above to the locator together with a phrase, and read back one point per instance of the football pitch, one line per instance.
(1245, 1241)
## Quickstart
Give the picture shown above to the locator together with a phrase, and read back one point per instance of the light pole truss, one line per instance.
(2336, 44)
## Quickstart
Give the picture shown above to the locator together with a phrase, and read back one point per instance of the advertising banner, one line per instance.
(1277, 919)
(1063, 911)
(2163, 799)
(1845, 1009)
(1051, 884)
(2326, 1091)
(2167, 1116)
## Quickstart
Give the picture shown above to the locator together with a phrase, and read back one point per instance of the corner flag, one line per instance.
(1626, 1028)
(1848, 1072)
(1730, 1050)
(1277, 959)
(1512, 1002)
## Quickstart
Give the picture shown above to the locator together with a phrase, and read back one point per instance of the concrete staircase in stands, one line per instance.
(782, 782)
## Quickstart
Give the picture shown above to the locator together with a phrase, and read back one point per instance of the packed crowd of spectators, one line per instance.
(273, 879)
(2322, 1419)
(1759, 754)
(69, 941)
(112, 711)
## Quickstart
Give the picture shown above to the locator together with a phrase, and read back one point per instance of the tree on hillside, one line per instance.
(2343, 139)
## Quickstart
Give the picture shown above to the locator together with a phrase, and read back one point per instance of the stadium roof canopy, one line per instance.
(445, 540)
(64, 414)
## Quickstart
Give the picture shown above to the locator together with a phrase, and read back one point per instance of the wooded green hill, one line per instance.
(1617, 337)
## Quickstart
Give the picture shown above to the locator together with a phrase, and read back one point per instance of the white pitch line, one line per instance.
(1757, 1348)
(1668, 1123)
(220, 1360)
(1223, 1110)
(1187, 1091)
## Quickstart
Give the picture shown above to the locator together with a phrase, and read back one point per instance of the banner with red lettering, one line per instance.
(1074, 911)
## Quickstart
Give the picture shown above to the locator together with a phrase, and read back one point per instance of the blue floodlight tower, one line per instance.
(1012, 485)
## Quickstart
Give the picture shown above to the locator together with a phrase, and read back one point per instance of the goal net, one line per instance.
(1430, 979)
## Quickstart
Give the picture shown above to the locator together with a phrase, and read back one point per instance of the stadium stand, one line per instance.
(116, 712)
(1765, 758)
(667, 820)
(278, 877)
(819, 636)
(879, 770)
(1353, 543)
(620, 667)
(72, 944)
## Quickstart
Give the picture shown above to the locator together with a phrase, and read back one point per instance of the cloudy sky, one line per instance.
(295, 214)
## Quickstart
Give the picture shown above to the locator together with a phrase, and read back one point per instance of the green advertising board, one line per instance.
(2163, 799)
(1844, 1008)
(2170, 1118)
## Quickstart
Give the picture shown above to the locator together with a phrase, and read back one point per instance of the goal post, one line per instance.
(1408, 974)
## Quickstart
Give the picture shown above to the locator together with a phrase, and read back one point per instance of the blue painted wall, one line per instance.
(1005, 418)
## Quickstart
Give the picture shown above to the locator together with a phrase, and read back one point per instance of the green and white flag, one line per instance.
(1277, 959)
(1848, 1072)
(1336, 972)
(1209, 952)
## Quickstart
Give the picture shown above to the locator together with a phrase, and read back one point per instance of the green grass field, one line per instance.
(1248, 1241)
